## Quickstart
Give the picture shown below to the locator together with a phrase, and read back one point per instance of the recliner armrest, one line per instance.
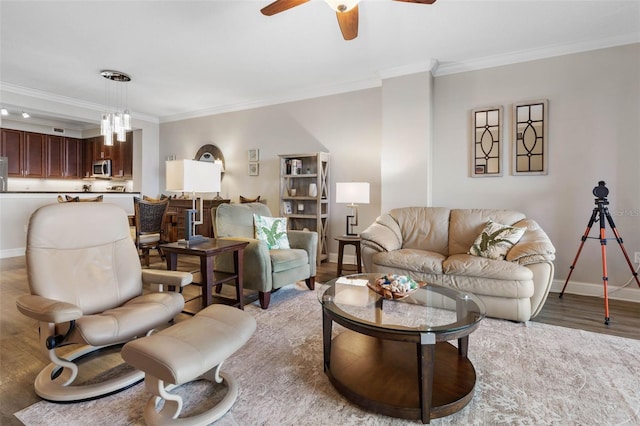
(307, 241)
(166, 278)
(48, 310)
(257, 263)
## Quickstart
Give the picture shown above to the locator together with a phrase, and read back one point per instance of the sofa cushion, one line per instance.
(474, 266)
(424, 228)
(425, 262)
(496, 240)
(506, 289)
(272, 230)
(466, 224)
(283, 260)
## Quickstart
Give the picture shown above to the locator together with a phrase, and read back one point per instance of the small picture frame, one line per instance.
(253, 155)
(286, 207)
(253, 169)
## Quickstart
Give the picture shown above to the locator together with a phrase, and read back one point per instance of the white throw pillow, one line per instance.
(272, 230)
(496, 240)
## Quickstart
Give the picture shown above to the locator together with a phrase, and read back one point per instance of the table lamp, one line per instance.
(352, 193)
(195, 177)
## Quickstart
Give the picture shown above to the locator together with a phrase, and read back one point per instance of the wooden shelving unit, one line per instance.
(304, 210)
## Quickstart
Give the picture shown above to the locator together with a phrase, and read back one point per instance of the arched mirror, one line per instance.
(212, 153)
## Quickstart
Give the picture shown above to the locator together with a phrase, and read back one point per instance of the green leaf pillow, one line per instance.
(496, 240)
(272, 230)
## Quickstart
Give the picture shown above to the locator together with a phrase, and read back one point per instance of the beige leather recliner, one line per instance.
(431, 244)
(265, 270)
(86, 287)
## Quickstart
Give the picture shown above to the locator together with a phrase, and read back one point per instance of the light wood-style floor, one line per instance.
(21, 359)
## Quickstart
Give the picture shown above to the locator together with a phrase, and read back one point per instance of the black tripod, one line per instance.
(599, 213)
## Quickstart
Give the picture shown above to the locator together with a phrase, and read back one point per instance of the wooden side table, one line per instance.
(206, 251)
(348, 240)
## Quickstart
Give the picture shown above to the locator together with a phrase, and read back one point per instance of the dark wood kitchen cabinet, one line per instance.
(120, 154)
(25, 151)
(122, 158)
(63, 157)
(73, 158)
(57, 157)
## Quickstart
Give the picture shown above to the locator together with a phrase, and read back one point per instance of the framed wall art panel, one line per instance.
(486, 142)
(530, 140)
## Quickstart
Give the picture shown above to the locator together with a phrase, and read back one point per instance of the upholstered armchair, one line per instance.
(86, 286)
(265, 270)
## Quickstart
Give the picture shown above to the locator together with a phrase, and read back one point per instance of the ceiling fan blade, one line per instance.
(348, 22)
(418, 1)
(280, 6)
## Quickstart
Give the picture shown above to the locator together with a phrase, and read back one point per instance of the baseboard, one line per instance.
(16, 252)
(630, 293)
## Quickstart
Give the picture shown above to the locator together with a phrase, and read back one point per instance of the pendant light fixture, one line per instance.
(116, 122)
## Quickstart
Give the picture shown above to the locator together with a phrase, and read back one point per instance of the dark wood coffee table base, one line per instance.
(360, 369)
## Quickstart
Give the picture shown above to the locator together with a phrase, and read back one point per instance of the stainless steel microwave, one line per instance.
(101, 168)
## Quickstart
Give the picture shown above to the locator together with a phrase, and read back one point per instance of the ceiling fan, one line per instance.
(346, 11)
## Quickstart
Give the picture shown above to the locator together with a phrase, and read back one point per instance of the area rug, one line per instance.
(527, 375)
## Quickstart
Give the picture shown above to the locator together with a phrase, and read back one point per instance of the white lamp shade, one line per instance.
(352, 192)
(193, 176)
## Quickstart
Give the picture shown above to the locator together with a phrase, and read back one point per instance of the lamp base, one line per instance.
(351, 221)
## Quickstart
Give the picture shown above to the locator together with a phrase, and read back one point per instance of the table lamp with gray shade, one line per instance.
(352, 193)
(196, 177)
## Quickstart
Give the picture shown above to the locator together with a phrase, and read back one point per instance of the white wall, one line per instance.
(406, 141)
(594, 113)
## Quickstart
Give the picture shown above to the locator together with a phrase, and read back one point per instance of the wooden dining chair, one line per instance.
(149, 232)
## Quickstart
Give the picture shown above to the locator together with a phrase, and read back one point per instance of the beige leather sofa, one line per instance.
(431, 244)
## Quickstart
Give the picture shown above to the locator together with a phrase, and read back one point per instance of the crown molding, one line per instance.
(65, 100)
(431, 65)
(445, 68)
(317, 92)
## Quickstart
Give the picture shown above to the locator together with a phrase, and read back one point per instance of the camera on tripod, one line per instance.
(601, 191)
(601, 214)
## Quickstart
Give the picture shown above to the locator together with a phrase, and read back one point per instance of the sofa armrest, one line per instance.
(48, 310)
(166, 278)
(307, 241)
(534, 246)
(383, 235)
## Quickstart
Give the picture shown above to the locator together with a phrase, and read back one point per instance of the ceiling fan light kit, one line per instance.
(342, 6)
(346, 12)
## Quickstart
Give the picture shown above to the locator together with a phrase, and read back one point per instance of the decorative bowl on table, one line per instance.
(393, 286)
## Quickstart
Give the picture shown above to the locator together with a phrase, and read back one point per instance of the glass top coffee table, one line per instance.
(395, 357)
